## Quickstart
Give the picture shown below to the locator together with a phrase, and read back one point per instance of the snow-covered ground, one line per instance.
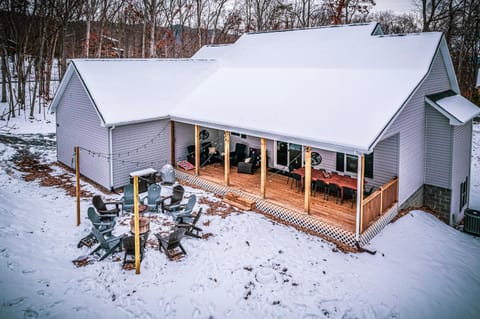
(475, 169)
(251, 267)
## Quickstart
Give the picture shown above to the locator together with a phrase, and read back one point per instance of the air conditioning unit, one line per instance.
(471, 222)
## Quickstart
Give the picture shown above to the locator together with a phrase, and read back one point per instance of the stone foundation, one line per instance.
(435, 198)
(415, 200)
(438, 199)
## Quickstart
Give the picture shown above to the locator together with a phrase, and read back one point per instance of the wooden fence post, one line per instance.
(77, 182)
(136, 224)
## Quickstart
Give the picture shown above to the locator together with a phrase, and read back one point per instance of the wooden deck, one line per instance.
(277, 191)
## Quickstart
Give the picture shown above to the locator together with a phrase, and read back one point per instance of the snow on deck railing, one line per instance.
(291, 216)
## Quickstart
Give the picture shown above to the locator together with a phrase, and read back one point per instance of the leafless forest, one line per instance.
(37, 37)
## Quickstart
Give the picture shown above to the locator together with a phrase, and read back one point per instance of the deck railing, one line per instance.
(377, 203)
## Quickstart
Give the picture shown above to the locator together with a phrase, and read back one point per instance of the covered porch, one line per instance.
(269, 185)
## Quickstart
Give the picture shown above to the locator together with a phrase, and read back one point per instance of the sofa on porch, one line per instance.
(251, 163)
(208, 154)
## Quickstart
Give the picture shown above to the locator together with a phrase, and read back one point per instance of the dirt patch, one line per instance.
(34, 170)
(218, 208)
(426, 209)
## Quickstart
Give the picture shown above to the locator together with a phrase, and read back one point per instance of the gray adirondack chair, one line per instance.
(172, 202)
(106, 247)
(128, 198)
(104, 226)
(191, 228)
(153, 197)
(128, 243)
(171, 244)
(184, 211)
(101, 206)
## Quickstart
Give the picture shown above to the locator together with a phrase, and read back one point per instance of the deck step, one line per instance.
(239, 201)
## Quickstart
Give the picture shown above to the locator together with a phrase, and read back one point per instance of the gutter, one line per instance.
(110, 150)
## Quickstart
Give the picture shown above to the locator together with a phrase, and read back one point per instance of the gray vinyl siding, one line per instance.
(410, 125)
(79, 125)
(385, 162)
(329, 159)
(139, 146)
(438, 151)
(185, 136)
(461, 150)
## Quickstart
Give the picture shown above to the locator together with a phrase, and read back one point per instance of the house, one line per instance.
(384, 110)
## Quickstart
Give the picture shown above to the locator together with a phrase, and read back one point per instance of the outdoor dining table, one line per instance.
(341, 180)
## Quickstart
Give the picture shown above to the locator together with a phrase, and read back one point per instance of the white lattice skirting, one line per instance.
(377, 227)
(288, 215)
(294, 217)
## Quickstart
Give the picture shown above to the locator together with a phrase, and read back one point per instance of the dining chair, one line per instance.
(333, 189)
(297, 179)
(318, 186)
(348, 193)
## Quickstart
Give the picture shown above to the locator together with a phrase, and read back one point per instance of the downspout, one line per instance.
(110, 151)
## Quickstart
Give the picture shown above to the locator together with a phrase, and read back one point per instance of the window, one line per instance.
(349, 163)
(244, 136)
(463, 193)
(288, 154)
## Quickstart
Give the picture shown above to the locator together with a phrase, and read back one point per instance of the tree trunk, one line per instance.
(4, 77)
(87, 37)
(153, 18)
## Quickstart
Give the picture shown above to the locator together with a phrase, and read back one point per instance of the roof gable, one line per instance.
(129, 90)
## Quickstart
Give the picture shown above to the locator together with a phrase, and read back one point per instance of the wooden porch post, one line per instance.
(360, 182)
(263, 177)
(172, 143)
(197, 150)
(226, 156)
(308, 177)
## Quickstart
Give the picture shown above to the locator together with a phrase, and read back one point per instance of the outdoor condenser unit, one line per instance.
(472, 222)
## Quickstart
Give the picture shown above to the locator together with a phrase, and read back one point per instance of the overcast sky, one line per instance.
(398, 6)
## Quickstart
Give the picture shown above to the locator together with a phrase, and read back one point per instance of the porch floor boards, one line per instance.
(277, 191)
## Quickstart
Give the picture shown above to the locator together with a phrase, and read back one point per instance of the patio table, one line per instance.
(341, 180)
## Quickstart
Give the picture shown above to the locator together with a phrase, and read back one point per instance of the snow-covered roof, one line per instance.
(455, 107)
(135, 90)
(336, 87)
(212, 51)
(331, 87)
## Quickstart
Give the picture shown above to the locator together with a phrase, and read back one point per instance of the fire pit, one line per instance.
(144, 227)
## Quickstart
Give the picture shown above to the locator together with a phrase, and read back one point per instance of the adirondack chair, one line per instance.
(106, 247)
(171, 244)
(191, 228)
(153, 197)
(171, 202)
(128, 243)
(181, 211)
(105, 227)
(101, 206)
(128, 198)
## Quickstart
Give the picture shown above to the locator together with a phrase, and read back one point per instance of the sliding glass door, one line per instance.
(288, 154)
